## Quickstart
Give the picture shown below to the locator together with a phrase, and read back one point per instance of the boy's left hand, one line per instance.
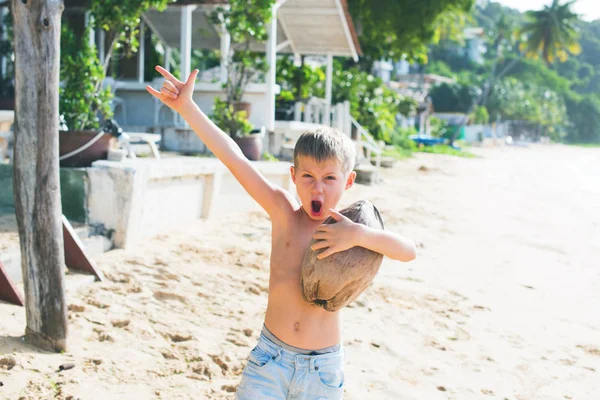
(337, 237)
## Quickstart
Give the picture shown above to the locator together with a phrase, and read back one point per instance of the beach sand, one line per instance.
(503, 301)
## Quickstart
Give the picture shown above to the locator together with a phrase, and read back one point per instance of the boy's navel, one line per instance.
(297, 326)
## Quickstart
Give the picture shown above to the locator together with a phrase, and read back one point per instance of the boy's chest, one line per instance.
(288, 253)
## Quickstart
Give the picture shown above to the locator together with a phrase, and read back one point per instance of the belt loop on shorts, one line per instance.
(312, 367)
(278, 356)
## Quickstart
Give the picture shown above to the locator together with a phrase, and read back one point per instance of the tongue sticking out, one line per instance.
(316, 207)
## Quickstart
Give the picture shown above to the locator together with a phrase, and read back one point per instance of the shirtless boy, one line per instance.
(299, 354)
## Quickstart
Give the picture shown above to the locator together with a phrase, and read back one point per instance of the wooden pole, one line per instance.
(36, 172)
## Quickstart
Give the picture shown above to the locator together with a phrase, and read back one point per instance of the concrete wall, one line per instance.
(131, 200)
(232, 197)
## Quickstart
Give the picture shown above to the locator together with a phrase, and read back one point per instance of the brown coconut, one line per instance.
(333, 282)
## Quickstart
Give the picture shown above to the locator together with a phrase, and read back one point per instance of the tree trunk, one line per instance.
(36, 171)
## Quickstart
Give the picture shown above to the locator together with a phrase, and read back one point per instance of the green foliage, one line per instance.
(371, 102)
(439, 127)
(444, 149)
(233, 122)
(537, 72)
(393, 28)
(299, 82)
(80, 103)
(454, 97)
(401, 139)
(480, 116)
(584, 113)
(560, 98)
(551, 32)
(269, 157)
(440, 67)
(83, 102)
(514, 100)
(407, 106)
(120, 20)
(245, 21)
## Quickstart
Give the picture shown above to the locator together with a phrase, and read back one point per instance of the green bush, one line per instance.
(235, 123)
(81, 103)
(401, 138)
(439, 127)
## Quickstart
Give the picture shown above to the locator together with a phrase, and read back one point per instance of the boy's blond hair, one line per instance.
(324, 144)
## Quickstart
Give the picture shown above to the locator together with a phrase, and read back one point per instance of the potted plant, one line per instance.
(85, 103)
(239, 128)
(82, 107)
(245, 21)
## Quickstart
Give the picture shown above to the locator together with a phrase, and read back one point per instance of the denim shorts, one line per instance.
(276, 373)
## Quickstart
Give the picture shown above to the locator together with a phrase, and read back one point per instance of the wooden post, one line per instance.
(36, 172)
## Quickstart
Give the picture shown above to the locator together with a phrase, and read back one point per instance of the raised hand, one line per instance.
(174, 93)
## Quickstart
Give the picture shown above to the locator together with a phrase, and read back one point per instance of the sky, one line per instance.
(589, 9)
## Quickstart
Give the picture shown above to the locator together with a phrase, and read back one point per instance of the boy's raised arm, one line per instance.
(178, 96)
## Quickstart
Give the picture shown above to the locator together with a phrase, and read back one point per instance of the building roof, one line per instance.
(307, 27)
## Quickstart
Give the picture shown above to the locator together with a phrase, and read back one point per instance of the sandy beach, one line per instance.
(503, 301)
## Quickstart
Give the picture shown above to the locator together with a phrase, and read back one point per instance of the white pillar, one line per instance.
(225, 48)
(186, 41)
(89, 22)
(271, 63)
(142, 52)
(328, 88)
(347, 121)
(168, 58)
(339, 114)
(298, 111)
(101, 45)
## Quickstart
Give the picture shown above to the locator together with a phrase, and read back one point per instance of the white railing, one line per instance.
(317, 111)
(314, 111)
(365, 141)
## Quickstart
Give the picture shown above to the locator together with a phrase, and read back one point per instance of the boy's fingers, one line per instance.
(169, 85)
(323, 228)
(154, 92)
(336, 215)
(168, 76)
(168, 93)
(326, 253)
(320, 235)
(192, 78)
(320, 245)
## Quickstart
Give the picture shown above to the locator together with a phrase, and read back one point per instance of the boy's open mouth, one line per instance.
(316, 207)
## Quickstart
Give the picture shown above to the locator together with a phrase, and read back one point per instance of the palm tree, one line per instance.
(551, 32)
